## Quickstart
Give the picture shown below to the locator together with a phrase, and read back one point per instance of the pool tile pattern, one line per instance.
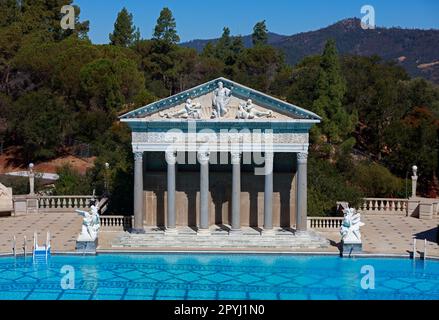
(176, 277)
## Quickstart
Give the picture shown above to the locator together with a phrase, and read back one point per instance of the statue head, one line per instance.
(249, 102)
(220, 85)
(415, 170)
(188, 101)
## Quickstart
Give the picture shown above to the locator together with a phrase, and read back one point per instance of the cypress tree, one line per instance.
(337, 124)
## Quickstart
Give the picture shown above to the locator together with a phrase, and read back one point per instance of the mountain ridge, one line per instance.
(413, 49)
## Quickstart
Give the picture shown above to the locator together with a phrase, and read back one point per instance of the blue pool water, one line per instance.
(216, 276)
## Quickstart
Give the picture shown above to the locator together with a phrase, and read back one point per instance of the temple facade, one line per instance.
(220, 154)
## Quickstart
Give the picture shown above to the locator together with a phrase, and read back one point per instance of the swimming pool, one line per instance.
(217, 276)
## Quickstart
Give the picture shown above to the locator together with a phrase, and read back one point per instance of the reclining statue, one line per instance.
(248, 111)
(191, 110)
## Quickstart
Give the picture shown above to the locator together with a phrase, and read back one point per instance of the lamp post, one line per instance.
(31, 179)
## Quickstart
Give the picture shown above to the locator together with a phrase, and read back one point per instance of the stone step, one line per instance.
(188, 240)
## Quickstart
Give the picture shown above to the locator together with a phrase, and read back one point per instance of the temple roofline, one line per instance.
(238, 90)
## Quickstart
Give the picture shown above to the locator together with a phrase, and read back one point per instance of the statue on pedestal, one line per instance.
(248, 111)
(90, 224)
(220, 100)
(350, 231)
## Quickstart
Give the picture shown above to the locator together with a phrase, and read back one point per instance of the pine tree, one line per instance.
(337, 124)
(124, 33)
(165, 30)
(260, 34)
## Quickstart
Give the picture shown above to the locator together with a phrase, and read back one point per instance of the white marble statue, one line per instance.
(220, 100)
(190, 111)
(350, 228)
(248, 110)
(90, 224)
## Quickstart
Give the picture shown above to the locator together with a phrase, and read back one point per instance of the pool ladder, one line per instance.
(14, 246)
(423, 255)
(41, 253)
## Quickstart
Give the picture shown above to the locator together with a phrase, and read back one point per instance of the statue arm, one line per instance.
(81, 212)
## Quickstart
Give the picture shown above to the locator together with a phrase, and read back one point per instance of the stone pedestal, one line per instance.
(86, 245)
(351, 247)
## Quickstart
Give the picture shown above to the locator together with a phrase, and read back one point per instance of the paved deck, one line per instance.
(63, 227)
(394, 234)
(381, 235)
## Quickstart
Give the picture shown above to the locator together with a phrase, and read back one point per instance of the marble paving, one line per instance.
(63, 227)
(381, 234)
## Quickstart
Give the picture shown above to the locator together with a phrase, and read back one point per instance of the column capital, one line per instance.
(236, 157)
(138, 155)
(171, 157)
(203, 157)
(302, 157)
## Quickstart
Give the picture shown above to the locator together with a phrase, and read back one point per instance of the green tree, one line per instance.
(337, 124)
(413, 140)
(257, 67)
(124, 33)
(40, 123)
(260, 34)
(165, 29)
(71, 182)
(109, 84)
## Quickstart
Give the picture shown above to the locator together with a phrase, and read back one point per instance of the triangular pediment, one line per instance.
(262, 106)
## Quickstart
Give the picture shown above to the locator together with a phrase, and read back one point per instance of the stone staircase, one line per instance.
(220, 239)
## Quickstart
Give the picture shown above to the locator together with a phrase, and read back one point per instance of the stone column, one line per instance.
(414, 180)
(171, 159)
(31, 179)
(236, 192)
(302, 197)
(138, 192)
(203, 159)
(268, 194)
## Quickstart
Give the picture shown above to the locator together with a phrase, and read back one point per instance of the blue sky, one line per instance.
(204, 19)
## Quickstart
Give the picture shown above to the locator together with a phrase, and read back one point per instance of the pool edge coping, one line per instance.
(246, 252)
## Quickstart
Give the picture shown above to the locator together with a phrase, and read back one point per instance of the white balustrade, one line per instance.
(116, 223)
(383, 206)
(325, 223)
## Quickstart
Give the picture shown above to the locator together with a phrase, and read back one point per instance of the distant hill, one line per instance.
(415, 49)
(199, 44)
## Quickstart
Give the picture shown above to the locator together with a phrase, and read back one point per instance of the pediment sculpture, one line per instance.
(220, 100)
(190, 111)
(248, 110)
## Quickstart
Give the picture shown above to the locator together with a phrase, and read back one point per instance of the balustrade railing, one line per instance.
(383, 206)
(325, 223)
(116, 223)
(63, 203)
